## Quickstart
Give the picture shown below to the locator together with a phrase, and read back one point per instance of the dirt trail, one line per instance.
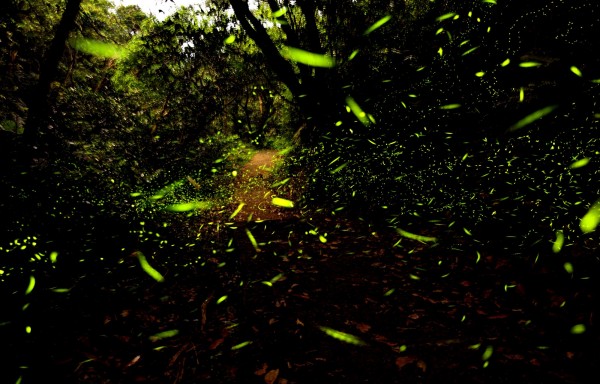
(253, 189)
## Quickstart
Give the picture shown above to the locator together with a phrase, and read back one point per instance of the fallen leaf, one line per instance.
(262, 370)
(422, 365)
(271, 376)
(216, 343)
(501, 316)
(363, 327)
(405, 360)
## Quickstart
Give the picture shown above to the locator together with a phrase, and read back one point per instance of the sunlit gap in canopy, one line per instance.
(161, 9)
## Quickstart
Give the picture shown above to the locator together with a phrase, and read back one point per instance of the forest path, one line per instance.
(253, 189)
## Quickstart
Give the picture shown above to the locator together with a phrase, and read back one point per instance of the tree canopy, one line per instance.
(418, 138)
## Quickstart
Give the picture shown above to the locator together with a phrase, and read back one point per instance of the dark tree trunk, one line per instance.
(314, 96)
(38, 102)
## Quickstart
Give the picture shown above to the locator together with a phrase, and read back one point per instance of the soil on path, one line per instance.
(253, 189)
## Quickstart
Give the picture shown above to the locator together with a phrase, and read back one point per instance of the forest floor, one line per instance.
(283, 297)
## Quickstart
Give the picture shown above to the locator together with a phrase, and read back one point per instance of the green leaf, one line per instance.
(148, 268)
(342, 336)
(378, 24)
(98, 48)
(532, 117)
(308, 58)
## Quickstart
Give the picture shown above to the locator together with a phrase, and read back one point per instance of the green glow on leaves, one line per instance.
(529, 64)
(280, 183)
(441, 51)
(164, 335)
(135, 194)
(580, 163)
(489, 1)
(532, 117)
(185, 207)
(441, 30)
(61, 290)
(521, 94)
(591, 219)
(53, 257)
(229, 40)
(414, 277)
(505, 63)
(222, 299)
(467, 232)
(279, 202)
(478, 257)
(308, 58)
(28, 329)
(31, 285)
(480, 74)
(559, 242)
(378, 24)
(568, 267)
(489, 350)
(280, 12)
(276, 278)
(237, 210)
(470, 51)
(241, 345)
(413, 236)
(578, 329)
(450, 106)
(98, 48)
(353, 54)
(153, 273)
(446, 16)
(322, 239)
(576, 71)
(252, 240)
(389, 292)
(342, 336)
(357, 110)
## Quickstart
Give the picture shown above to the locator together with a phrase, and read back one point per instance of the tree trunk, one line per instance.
(314, 96)
(38, 102)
